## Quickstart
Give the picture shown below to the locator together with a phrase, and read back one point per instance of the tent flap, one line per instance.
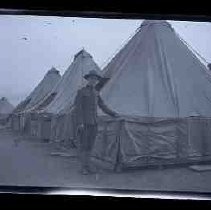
(154, 141)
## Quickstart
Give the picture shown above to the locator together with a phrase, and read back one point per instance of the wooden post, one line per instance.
(104, 134)
(147, 141)
(118, 164)
(178, 139)
(204, 137)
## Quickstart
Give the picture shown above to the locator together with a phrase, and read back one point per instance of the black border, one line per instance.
(180, 195)
(130, 9)
(107, 15)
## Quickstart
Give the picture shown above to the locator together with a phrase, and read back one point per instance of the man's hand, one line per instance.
(119, 117)
(80, 127)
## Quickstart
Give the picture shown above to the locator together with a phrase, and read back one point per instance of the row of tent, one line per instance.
(5, 109)
(5, 106)
(155, 81)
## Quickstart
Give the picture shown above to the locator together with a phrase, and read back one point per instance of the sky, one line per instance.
(31, 45)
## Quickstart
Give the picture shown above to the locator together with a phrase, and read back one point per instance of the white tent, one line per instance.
(158, 79)
(156, 75)
(73, 79)
(19, 120)
(5, 106)
(50, 79)
(58, 102)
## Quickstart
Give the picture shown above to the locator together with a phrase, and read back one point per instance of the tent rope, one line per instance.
(83, 74)
(190, 47)
(118, 49)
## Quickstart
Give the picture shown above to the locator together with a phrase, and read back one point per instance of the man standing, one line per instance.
(85, 107)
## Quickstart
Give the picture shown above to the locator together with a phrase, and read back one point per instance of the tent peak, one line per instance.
(155, 22)
(82, 53)
(53, 70)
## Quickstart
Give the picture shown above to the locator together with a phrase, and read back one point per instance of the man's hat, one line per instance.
(93, 73)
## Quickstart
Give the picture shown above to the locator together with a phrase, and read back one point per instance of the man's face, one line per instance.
(92, 80)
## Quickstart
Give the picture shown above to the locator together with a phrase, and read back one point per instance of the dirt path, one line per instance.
(29, 163)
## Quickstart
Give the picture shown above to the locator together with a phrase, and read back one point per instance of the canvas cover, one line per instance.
(163, 90)
(21, 119)
(156, 75)
(137, 142)
(50, 79)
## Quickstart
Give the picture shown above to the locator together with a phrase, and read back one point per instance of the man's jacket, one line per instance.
(85, 106)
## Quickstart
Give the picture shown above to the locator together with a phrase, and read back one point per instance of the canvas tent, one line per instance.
(71, 81)
(6, 108)
(65, 91)
(157, 83)
(50, 79)
(157, 67)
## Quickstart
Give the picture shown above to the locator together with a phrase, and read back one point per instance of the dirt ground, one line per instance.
(29, 162)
